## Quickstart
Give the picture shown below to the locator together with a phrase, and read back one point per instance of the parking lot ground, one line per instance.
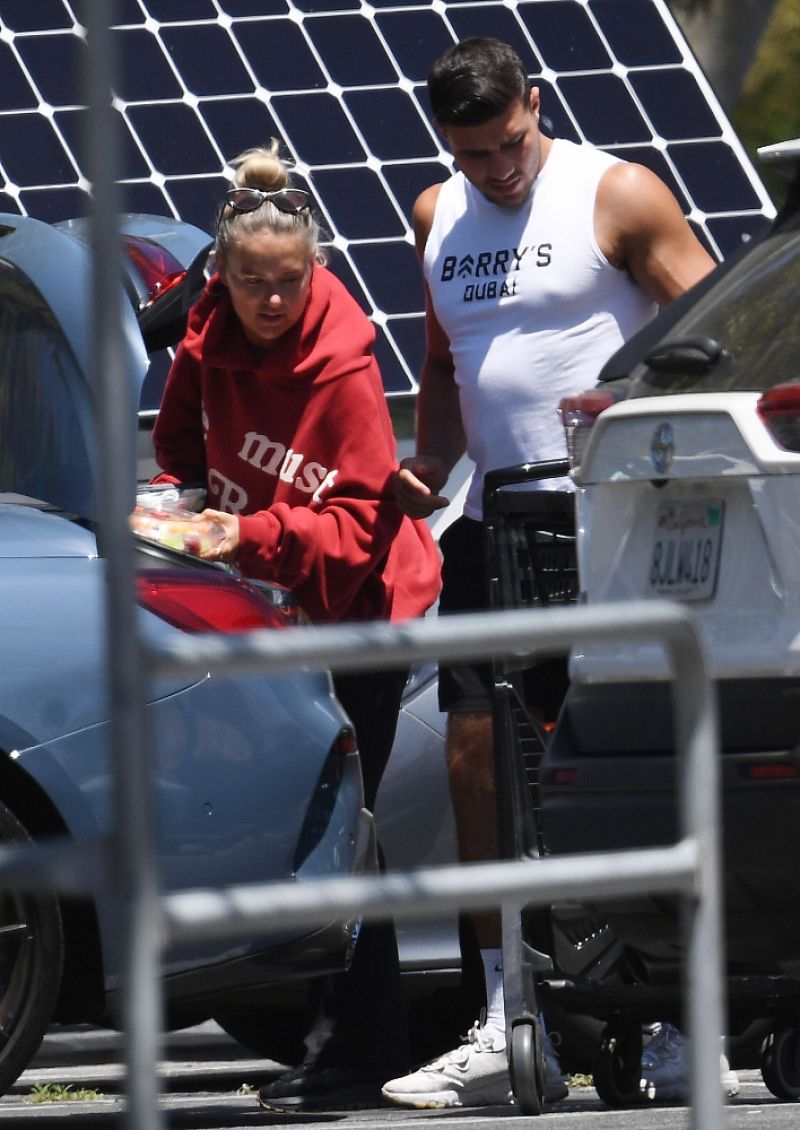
(91, 1058)
(209, 1082)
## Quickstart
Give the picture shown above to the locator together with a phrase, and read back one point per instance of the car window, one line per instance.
(43, 406)
(754, 314)
(153, 384)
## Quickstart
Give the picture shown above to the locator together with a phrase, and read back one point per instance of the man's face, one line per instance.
(502, 157)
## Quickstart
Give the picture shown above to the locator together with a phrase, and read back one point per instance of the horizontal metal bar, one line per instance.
(351, 647)
(479, 886)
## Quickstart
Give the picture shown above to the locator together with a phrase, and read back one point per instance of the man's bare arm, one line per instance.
(440, 433)
(641, 228)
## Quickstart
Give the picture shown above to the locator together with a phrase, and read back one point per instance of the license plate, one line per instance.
(686, 549)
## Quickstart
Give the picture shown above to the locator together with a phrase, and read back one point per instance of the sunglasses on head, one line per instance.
(290, 200)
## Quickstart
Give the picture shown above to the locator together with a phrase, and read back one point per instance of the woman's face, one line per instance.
(268, 277)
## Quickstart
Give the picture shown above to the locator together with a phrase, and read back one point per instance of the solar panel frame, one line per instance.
(342, 84)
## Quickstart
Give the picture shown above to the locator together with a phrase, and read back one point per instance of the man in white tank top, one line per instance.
(540, 258)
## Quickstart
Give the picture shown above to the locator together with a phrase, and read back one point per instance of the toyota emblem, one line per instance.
(662, 448)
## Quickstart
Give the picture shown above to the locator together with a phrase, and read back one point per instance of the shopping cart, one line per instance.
(529, 539)
(531, 562)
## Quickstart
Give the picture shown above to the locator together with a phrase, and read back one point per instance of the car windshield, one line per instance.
(42, 442)
(754, 314)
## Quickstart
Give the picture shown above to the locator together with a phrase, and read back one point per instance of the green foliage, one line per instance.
(689, 7)
(61, 1093)
(769, 107)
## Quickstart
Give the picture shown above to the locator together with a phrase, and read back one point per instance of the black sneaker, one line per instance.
(309, 1087)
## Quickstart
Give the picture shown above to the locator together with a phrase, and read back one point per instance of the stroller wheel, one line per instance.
(780, 1062)
(526, 1064)
(618, 1065)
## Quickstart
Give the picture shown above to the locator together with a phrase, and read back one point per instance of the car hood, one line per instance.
(48, 446)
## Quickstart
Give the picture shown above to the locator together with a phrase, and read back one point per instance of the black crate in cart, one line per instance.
(530, 537)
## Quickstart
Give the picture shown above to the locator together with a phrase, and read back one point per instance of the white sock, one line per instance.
(495, 1001)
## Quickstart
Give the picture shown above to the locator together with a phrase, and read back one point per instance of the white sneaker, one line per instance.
(473, 1074)
(728, 1078)
(665, 1067)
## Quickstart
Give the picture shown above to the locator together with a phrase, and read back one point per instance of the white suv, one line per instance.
(687, 472)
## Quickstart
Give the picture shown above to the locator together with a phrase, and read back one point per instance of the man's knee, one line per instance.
(469, 744)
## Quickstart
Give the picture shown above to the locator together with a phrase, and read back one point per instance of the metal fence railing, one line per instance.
(689, 868)
(150, 918)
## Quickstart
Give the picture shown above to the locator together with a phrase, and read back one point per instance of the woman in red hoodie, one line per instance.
(275, 402)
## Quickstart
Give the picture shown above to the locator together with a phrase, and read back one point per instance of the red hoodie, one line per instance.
(297, 440)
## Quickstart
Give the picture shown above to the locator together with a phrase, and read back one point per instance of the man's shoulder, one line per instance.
(425, 208)
(452, 189)
(427, 199)
(583, 153)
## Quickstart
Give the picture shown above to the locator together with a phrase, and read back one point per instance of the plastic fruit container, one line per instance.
(188, 533)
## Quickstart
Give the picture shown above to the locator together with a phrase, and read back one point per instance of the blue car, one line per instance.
(256, 778)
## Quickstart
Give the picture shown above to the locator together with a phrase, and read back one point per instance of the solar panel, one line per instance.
(342, 84)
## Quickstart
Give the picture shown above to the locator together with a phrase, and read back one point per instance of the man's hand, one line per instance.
(417, 485)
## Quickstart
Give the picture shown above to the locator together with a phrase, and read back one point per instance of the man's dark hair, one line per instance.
(476, 80)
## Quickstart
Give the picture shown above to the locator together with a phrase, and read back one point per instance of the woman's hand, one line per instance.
(225, 540)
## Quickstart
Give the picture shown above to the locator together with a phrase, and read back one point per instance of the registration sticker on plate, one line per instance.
(686, 549)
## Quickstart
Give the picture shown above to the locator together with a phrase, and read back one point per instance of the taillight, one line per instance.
(578, 414)
(158, 268)
(218, 603)
(779, 408)
(769, 771)
(323, 803)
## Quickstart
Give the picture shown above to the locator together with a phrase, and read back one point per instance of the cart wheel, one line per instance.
(617, 1067)
(526, 1064)
(780, 1063)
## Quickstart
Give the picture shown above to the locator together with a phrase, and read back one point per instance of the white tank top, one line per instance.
(531, 307)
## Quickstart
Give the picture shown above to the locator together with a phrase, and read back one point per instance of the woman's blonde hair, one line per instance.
(263, 167)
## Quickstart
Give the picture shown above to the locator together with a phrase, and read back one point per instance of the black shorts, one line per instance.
(464, 687)
(467, 687)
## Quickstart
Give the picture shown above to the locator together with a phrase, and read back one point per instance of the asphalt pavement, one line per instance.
(209, 1083)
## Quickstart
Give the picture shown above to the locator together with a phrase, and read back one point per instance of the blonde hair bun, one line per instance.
(261, 167)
